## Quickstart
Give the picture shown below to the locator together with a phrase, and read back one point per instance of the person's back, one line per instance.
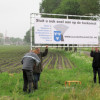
(28, 62)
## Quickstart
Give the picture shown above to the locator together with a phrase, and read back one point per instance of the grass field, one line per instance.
(59, 66)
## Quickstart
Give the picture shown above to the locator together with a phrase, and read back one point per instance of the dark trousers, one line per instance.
(28, 80)
(95, 71)
(36, 78)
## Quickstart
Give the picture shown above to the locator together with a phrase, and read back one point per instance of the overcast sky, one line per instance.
(15, 16)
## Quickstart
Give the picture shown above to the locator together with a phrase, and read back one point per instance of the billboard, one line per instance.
(65, 31)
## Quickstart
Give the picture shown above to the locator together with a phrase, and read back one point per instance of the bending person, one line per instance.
(28, 62)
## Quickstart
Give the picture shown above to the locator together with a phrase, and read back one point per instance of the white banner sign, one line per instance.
(65, 31)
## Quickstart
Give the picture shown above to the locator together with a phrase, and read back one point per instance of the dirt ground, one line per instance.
(51, 61)
(55, 60)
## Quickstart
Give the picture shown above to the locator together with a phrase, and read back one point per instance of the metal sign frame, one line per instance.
(33, 15)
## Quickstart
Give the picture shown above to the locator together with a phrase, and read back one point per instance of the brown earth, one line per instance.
(55, 60)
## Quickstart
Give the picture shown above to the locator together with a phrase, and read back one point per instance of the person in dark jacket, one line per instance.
(37, 70)
(28, 62)
(96, 63)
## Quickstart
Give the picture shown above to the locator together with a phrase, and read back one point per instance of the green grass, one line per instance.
(55, 65)
(51, 84)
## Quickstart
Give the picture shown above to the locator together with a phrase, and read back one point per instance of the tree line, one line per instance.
(71, 7)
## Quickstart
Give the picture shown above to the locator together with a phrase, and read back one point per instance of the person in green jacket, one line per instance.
(37, 70)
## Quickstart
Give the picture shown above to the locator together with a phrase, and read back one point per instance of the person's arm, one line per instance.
(45, 52)
(34, 66)
(22, 61)
(92, 53)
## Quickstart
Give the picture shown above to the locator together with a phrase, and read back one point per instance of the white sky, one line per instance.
(15, 16)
